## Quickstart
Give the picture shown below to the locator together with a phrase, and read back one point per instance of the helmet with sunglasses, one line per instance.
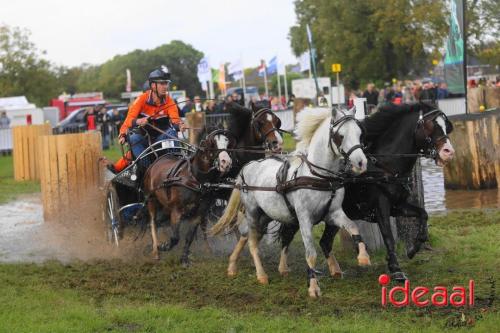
(159, 75)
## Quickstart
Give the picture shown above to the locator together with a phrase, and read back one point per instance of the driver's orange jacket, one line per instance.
(144, 104)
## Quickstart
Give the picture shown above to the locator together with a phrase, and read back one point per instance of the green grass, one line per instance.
(11, 189)
(121, 296)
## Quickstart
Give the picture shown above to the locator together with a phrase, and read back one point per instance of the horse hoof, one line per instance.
(156, 257)
(364, 261)
(232, 274)
(314, 293)
(284, 273)
(399, 276)
(337, 275)
(263, 280)
(412, 251)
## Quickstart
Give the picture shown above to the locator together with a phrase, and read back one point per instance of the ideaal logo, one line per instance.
(419, 296)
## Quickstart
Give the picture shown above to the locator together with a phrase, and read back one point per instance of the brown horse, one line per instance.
(176, 187)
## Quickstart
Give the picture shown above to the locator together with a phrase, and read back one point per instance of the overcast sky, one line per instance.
(93, 31)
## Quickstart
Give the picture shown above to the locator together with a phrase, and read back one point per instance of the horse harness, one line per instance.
(335, 139)
(330, 183)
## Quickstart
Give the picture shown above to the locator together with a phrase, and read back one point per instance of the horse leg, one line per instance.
(191, 232)
(203, 227)
(232, 269)
(383, 219)
(307, 238)
(175, 217)
(154, 234)
(287, 232)
(254, 236)
(326, 243)
(339, 218)
(410, 210)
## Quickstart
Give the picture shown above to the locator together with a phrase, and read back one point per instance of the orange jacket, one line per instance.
(145, 104)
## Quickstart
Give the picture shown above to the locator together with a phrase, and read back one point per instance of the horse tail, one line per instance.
(229, 218)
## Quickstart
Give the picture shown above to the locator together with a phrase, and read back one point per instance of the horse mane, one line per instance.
(308, 121)
(240, 118)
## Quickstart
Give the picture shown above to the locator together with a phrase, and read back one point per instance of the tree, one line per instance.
(110, 78)
(483, 24)
(373, 40)
(22, 70)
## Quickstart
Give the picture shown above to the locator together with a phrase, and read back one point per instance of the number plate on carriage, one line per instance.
(167, 144)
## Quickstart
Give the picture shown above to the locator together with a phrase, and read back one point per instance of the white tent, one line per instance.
(18, 109)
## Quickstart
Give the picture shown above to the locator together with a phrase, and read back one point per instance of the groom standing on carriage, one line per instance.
(154, 108)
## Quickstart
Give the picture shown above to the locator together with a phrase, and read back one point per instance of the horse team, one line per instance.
(341, 168)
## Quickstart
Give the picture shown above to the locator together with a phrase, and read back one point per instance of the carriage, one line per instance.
(124, 199)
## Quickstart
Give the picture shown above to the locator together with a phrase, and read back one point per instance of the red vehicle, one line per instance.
(67, 104)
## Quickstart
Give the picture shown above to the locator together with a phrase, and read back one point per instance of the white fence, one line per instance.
(5, 139)
(452, 106)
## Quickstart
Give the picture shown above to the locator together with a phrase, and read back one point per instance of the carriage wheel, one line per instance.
(112, 217)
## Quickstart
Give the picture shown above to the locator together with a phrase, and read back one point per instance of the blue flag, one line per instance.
(272, 66)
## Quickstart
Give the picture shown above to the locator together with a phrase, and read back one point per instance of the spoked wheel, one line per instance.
(112, 217)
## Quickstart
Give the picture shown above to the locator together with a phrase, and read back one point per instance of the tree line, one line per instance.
(378, 40)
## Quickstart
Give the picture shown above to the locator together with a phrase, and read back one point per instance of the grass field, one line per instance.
(144, 296)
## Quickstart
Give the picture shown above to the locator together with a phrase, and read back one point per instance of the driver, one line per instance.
(153, 105)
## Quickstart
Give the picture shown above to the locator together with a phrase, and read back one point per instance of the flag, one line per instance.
(222, 78)
(204, 70)
(262, 68)
(235, 69)
(215, 75)
(305, 62)
(455, 49)
(128, 88)
(273, 66)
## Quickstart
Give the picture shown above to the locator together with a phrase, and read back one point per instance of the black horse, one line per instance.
(395, 136)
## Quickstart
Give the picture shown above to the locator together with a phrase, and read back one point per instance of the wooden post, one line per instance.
(476, 139)
(26, 150)
(195, 121)
(69, 171)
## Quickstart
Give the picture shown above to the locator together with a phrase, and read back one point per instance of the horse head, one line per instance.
(431, 135)
(215, 150)
(266, 127)
(346, 136)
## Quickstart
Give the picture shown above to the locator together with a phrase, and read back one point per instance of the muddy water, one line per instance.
(437, 199)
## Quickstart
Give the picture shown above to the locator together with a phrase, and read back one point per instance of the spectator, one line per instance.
(210, 108)
(197, 107)
(116, 120)
(428, 91)
(237, 98)
(4, 120)
(187, 107)
(408, 95)
(371, 94)
(442, 91)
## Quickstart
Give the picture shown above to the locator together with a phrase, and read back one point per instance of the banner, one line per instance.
(128, 88)
(305, 62)
(204, 73)
(454, 58)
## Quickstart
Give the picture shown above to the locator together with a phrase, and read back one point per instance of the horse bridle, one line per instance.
(428, 146)
(257, 115)
(210, 137)
(334, 136)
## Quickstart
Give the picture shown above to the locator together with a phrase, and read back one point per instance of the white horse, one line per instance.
(318, 158)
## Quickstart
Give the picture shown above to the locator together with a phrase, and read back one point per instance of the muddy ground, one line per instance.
(26, 237)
